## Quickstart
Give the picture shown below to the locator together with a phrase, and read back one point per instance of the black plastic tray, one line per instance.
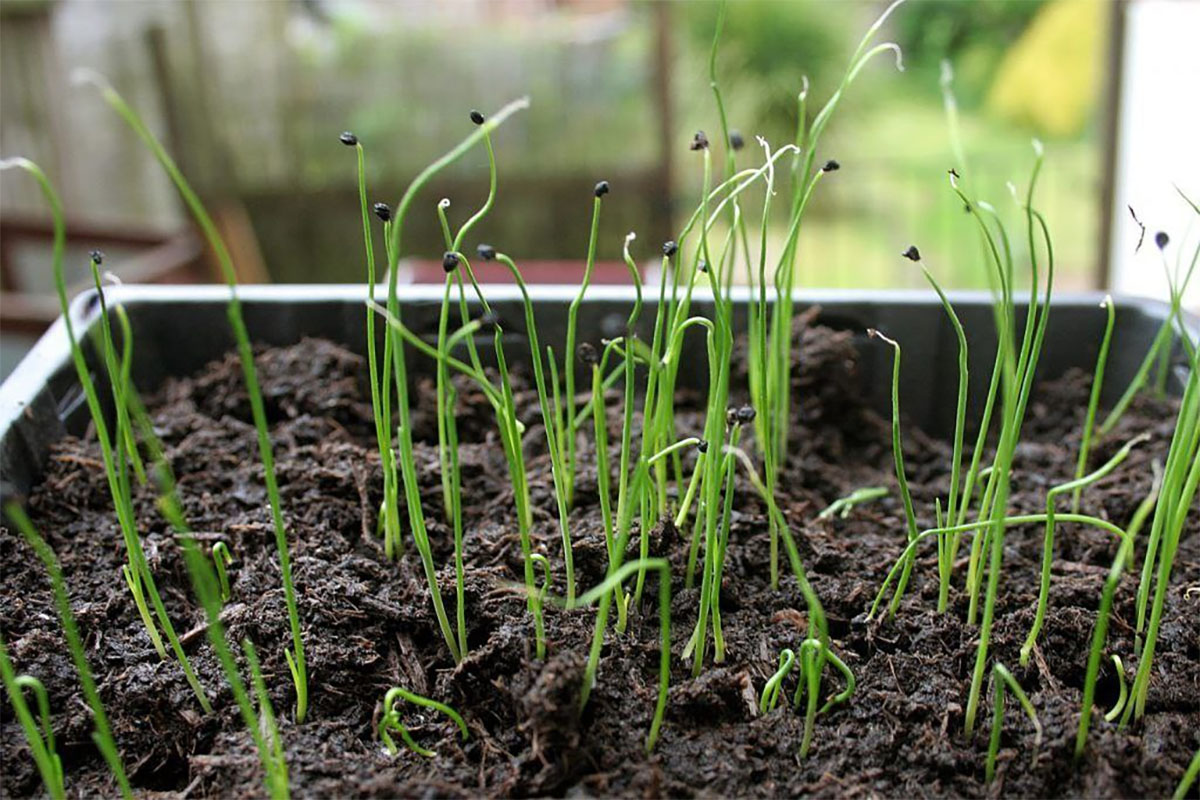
(177, 329)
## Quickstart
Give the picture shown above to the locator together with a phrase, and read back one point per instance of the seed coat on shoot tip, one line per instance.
(601, 189)
(670, 248)
(97, 256)
(735, 140)
(347, 138)
(450, 261)
(383, 211)
(831, 166)
(699, 141)
(486, 251)
(1161, 240)
(476, 117)
(912, 253)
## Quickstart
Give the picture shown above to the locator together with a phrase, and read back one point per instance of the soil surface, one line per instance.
(368, 623)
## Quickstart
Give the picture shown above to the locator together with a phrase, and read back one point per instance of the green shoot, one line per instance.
(41, 744)
(770, 692)
(948, 551)
(1017, 394)
(898, 457)
(558, 467)
(1122, 691)
(389, 518)
(604, 592)
(294, 656)
(102, 735)
(112, 448)
(816, 613)
(842, 507)
(1085, 442)
(206, 588)
(810, 675)
(971, 527)
(221, 560)
(277, 777)
(1048, 543)
(1189, 777)
(1181, 478)
(569, 352)
(391, 720)
(510, 434)
(1002, 679)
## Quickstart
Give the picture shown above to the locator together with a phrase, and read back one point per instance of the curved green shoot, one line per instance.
(1048, 543)
(816, 613)
(1122, 690)
(810, 675)
(971, 527)
(842, 507)
(102, 735)
(1002, 679)
(770, 692)
(391, 720)
(1085, 441)
(222, 559)
(294, 656)
(604, 592)
(41, 744)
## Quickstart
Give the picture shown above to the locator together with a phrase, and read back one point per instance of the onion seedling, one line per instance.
(1089, 422)
(1048, 543)
(503, 402)
(389, 513)
(112, 447)
(294, 656)
(102, 734)
(898, 459)
(604, 592)
(1002, 679)
(569, 353)
(558, 467)
(816, 613)
(391, 720)
(41, 743)
(774, 408)
(207, 589)
(1181, 477)
(948, 551)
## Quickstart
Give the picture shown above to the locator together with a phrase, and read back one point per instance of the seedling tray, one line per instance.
(177, 329)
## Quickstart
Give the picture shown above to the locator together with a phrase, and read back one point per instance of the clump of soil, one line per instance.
(368, 623)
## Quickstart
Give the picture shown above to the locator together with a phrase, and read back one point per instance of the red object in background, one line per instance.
(541, 272)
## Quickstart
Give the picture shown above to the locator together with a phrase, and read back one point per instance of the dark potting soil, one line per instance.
(368, 623)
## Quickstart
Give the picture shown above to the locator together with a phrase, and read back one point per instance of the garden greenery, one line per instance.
(674, 476)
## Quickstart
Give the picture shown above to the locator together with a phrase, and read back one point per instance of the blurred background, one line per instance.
(251, 96)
